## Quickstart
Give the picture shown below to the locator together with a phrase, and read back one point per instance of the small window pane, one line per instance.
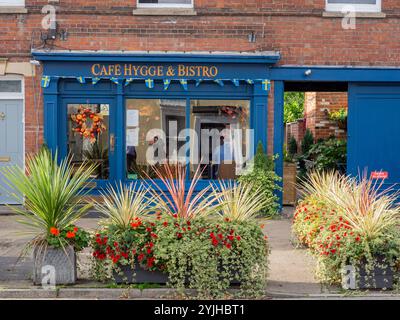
(10, 86)
(353, 1)
(12, 3)
(166, 2)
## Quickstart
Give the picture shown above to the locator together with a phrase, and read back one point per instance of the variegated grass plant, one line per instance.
(123, 204)
(369, 209)
(239, 201)
(53, 194)
(181, 199)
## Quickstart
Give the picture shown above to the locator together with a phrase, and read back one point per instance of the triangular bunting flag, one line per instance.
(266, 85)
(220, 82)
(198, 82)
(81, 79)
(249, 81)
(184, 84)
(128, 81)
(45, 81)
(167, 82)
(149, 83)
(95, 80)
(114, 80)
(235, 82)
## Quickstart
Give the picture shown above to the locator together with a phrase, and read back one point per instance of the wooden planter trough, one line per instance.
(289, 183)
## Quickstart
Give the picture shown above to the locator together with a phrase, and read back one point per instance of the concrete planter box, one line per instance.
(380, 277)
(62, 260)
(139, 275)
(144, 276)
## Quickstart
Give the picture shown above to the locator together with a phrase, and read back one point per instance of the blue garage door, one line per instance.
(374, 131)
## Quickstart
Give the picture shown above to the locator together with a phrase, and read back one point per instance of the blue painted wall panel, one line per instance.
(374, 130)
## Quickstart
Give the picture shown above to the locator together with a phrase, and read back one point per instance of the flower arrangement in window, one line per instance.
(88, 123)
(234, 112)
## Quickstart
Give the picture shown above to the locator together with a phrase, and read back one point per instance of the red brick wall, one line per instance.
(317, 106)
(296, 28)
(295, 129)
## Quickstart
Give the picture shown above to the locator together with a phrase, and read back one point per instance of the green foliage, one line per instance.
(212, 254)
(345, 221)
(307, 142)
(53, 195)
(339, 115)
(202, 253)
(293, 106)
(292, 147)
(263, 177)
(328, 154)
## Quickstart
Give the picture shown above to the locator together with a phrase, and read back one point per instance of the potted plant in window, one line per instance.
(53, 202)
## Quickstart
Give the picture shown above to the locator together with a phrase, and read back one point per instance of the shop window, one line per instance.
(165, 3)
(359, 5)
(223, 139)
(154, 134)
(88, 136)
(12, 3)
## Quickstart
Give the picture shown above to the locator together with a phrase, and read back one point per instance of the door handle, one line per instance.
(112, 142)
(2, 116)
(5, 159)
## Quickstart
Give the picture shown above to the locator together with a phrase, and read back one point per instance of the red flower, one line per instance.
(165, 224)
(153, 235)
(148, 229)
(148, 251)
(231, 237)
(227, 219)
(238, 238)
(141, 256)
(228, 245)
(75, 229)
(135, 225)
(150, 262)
(125, 255)
(215, 242)
(70, 235)
(175, 215)
(179, 235)
(54, 231)
(357, 239)
(333, 251)
(188, 223)
(220, 236)
(212, 235)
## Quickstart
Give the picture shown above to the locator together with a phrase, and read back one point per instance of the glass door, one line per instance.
(90, 137)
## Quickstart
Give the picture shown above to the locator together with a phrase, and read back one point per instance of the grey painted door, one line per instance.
(11, 142)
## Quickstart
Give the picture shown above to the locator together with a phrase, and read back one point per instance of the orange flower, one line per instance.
(54, 231)
(70, 235)
(75, 229)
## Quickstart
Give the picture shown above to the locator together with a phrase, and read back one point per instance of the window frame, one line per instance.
(164, 5)
(337, 7)
(11, 4)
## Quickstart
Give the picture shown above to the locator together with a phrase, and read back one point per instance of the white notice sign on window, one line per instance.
(132, 118)
(132, 137)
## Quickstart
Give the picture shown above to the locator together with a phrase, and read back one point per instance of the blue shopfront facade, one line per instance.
(110, 80)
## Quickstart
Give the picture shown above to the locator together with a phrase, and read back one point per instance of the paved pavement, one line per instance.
(290, 275)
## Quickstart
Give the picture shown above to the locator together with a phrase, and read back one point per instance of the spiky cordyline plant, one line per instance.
(121, 204)
(53, 193)
(239, 201)
(369, 210)
(362, 203)
(318, 184)
(180, 200)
